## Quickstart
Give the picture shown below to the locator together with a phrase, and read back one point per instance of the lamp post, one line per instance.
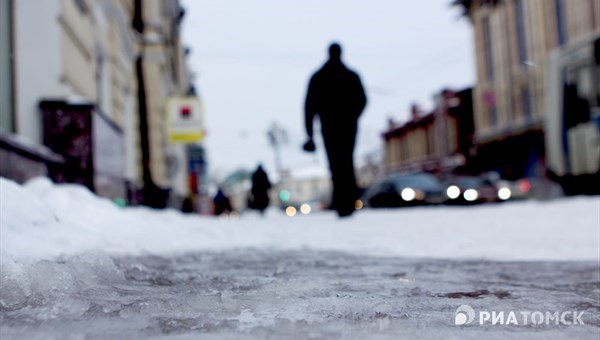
(277, 137)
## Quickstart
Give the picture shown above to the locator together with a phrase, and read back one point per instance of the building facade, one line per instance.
(513, 41)
(6, 66)
(165, 76)
(438, 141)
(90, 66)
(115, 53)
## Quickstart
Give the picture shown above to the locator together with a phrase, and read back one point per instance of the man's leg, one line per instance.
(339, 144)
(346, 184)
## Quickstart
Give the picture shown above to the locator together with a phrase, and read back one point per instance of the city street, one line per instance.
(184, 169)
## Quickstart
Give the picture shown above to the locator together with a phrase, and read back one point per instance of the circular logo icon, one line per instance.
(464, 315)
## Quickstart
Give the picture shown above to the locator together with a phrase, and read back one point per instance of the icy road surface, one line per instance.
(291, 294)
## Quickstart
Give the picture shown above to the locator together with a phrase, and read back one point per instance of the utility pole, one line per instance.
(277, 137)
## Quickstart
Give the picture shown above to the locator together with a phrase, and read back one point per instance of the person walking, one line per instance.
(336, 95)
(260, 190)
(221, 204)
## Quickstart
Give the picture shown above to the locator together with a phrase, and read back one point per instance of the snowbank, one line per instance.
(41, 220)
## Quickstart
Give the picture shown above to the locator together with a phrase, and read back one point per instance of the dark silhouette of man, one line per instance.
(221, 204)
(260, 190)
(336, 95)
(187, 206)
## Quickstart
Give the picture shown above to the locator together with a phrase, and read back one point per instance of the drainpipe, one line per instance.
(152, 195)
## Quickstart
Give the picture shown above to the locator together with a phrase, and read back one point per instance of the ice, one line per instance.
(14, 293)
(54, 283)
(320, 295)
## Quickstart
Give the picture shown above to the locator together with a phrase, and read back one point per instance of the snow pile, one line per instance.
(41, 220)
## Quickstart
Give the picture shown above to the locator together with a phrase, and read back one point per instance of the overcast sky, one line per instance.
(253, 59)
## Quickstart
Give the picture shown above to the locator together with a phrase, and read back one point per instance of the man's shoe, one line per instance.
(345, 213)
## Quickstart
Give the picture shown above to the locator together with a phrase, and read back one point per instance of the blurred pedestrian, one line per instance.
(187, 206)
(260, 190)
(221, 204)
(336, 95)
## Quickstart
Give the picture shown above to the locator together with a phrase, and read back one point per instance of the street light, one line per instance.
(277, 137)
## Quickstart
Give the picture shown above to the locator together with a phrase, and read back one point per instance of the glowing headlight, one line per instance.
(305, 209)
(408, 194)
(358, 204)
(419, 195)
(453, 192)
(504, 193)
(471, 195)
(290, 211)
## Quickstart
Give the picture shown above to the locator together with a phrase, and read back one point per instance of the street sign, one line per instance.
(185, 120)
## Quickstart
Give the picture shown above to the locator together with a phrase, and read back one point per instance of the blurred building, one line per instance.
(438, 141)
(368, 169)
(20, 158)
(311, 184)
(90, 80)
(514, 40)
(308, 186)
(161, 63)
(68, 86)
(117, 138)
(6, 66)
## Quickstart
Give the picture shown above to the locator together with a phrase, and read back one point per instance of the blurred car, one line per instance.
(302, 208)
(520, 189)
(476, 189)
(405, 190)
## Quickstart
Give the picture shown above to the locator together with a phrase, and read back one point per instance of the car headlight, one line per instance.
(504, 193)
(453, 192)
(358, 204)
(305, 209)
(408, 194)
(290, 211)
(471, 195)
(420, 195)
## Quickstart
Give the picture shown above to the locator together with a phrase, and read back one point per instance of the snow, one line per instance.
(41, 220)
(74, 265)
(21, 142)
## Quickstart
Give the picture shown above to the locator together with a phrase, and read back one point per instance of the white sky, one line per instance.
(253, 59)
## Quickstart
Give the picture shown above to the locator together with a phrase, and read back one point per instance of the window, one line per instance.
(493, 116)
(560, 22)
(526, 102)
(487, 46)
(521, 34)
